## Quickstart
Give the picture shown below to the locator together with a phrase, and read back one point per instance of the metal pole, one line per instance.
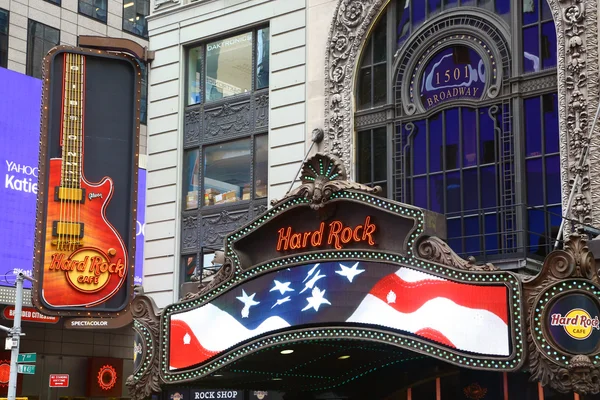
(16, 338)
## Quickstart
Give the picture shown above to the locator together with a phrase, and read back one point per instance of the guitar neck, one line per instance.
(72, 123)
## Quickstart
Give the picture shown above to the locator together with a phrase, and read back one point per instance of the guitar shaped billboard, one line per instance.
(82, 259)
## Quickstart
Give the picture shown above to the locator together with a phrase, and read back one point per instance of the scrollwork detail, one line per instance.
(436, 250)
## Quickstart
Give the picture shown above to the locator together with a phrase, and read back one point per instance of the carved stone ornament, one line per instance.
(436, 250)
(577, 57)
(580, 374)
(322, 176)
(161, 3)
(141, 385)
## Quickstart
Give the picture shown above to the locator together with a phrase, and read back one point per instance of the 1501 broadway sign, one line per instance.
(86, 223)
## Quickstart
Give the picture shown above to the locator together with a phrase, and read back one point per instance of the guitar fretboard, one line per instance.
(72, 125)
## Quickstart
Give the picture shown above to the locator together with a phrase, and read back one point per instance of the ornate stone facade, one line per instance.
(577, 36)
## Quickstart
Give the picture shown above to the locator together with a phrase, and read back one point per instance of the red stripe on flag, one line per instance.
(183, 355)
(410, 296)
(435, 335)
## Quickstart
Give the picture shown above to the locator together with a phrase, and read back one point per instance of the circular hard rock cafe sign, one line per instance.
(573, 322)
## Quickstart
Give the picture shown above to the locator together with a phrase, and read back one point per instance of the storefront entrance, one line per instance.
(337, 293)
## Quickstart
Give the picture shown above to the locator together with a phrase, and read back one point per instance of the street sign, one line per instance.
(59, 380)
(26, 369)
(9, 343)
(26, 358)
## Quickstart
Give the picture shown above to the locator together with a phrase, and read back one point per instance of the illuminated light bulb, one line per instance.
(289, 351)
(343, 357)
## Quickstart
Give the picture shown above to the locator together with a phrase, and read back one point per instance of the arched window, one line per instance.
(457, 112)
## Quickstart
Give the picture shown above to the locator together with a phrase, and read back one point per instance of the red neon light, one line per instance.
(338, 235)
(107, 377)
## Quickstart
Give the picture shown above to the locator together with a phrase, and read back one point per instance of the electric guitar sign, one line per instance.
(85, 238)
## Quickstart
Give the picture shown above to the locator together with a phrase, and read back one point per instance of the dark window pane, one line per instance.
(530, 11)
(491, 234)
(194, 85)
(550, 108)
(134, 17)
(434, 6)
(533, 129)
(261, 168)
(191, 178)
(503, 6)
(40, 38)
(262, 58)
(553, 179)
(226, 171)
(470, 187)
(436, 193)
(536, 228)
(455, 234)
(3, 22)
(535, 194)
(379, 40)
(473, 238)
(419, 149)
(418, 12)
(488, 187)
(546, 12)
(3, 38)
(420, 192)
(364, 157)
(229, 67)
(487, 137)
(188, 267)
(367, 58)
(380, 84)
(531, 52)
(364, 88)
(450, 3)
(95, 9)
(452, 145)
(435, 143)
(453, 186)
(380, 154)
(548, 44)
(403, 18)
(469, 131)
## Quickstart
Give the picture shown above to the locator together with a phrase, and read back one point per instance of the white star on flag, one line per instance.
(310, 284)
(187, 339)
(310, 272)
(349, 272)
(282, 287)
(316, 299)
(391, 297)
(281, 301)
(248, 302)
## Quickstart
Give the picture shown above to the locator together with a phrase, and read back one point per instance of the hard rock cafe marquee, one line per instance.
(335, 268)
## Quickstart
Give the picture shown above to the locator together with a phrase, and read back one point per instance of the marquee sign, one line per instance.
(86, 222)
(574, 324)
(334, 254)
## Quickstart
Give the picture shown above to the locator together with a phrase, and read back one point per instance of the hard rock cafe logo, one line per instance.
(577, 323)
(107, 377)
(88, 269)
(137, 351)
(260, 395)
(474, 391)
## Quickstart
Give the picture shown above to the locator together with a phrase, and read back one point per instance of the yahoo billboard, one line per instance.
(19, 147)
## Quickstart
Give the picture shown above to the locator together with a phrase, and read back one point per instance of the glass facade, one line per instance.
(225, 169)
(3, 38)
(40, 39)
(490, 165)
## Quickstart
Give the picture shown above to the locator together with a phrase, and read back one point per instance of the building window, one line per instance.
(3, 38)
(225, 165)
(372, 158)
(40, 39)
(229, 67)
(134, 17)
(490, 166)
(372, 77)
(96, 9)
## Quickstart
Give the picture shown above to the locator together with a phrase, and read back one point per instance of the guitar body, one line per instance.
(85, 262)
